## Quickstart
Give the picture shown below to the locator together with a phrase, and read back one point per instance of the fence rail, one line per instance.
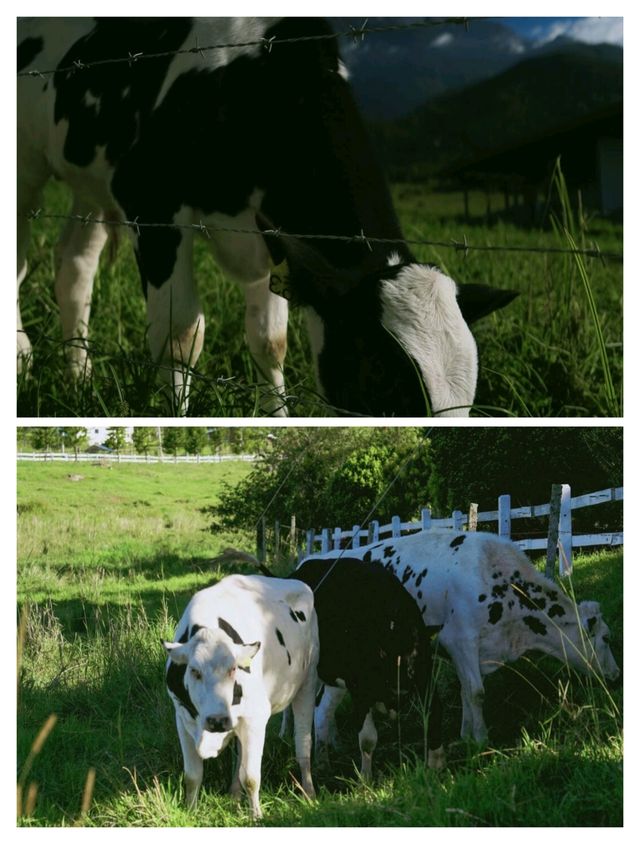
(67, 457)
(329, 539)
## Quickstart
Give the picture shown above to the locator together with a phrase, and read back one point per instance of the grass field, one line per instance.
(106, 565)
(555, 351)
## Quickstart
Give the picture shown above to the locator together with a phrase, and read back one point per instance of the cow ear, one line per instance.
(588, 610)
(246, 653)
(177, 651)
(300, 272)
(478, 300)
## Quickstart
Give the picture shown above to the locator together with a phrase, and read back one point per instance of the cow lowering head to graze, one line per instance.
(176, 140)
(245, 648)
(373, 644)
(492, 606)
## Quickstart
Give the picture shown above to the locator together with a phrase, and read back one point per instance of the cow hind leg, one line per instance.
(176, 322)
(302, 708)
(326, 733)
(466, 658)
(78, 253)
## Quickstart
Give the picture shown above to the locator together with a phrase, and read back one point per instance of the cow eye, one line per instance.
(196, 674)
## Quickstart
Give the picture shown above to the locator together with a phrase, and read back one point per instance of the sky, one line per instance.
(591, 30)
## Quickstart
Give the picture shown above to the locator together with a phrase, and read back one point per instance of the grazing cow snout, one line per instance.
(218, 723)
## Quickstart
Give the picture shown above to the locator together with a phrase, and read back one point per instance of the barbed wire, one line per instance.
(207, 230)
(357, 33)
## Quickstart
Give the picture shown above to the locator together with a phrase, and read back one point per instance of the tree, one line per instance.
(195, 440)
(116, 439)
(45, 439)
(74, 438)
(173, 440)
(145, 439)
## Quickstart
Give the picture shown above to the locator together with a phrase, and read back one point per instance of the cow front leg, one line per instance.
(176, 321)
(266, 327)
(77, 256)
(193, 765)
(367, 740)
(465, 654)
(251, 745)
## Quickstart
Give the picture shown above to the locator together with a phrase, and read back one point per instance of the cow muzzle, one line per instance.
(217, 723)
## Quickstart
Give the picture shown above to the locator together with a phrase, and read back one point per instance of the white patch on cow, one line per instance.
(92, 102)
(393, 259)
(419, 308)
(216, 31)
(343, 71)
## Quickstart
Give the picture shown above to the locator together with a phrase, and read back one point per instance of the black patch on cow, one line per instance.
(293, 615)
(237, 694)
(175, 680)
(591, 623)
(521, 590)
(455, 543)
(515, 575)
(535, 625)
(28, 50)
(389, 551)
(511, 604)
(280, 637)
(556, 610)
(235, 637)
(482, 598)
(499, 591)
(422, 575)
(300, 615)
(552, 595)
(419, 593)
(288, 657)
(194, 629)
(231, 632)
(495, 612)
(406, 574)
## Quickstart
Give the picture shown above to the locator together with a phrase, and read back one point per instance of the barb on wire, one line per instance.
(265, 43)
(460, 246)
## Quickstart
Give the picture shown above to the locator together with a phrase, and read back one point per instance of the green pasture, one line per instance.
(555, 351)
(106, 564)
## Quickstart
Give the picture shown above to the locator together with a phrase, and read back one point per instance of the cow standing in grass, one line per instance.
(491, 606)
(245, 648)
(197, 140)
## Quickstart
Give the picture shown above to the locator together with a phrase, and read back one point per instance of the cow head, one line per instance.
(211, 661)
(390, 337)
(596, 638)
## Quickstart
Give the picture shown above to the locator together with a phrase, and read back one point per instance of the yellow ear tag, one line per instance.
(279, 283)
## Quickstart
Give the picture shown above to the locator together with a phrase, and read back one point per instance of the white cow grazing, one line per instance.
(491, 605)
(246, 648)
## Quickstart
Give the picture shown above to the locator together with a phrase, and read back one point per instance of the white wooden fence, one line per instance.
(99, 456)
(335, 538)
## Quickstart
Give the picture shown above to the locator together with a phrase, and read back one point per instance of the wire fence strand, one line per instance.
(356, 33)
(207, 230)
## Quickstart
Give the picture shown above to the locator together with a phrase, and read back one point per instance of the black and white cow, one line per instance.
(491, 605)
(198, 136)
(374, 644)
(245, 648)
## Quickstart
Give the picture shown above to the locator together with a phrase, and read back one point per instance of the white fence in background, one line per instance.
(99, 457)
(336, 538)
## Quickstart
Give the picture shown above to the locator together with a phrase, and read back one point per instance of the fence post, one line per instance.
(261, 551)
(458, 519)
(565, 532)
(310, 535)
(426, 518)
(374, 532)
(337, 535)
(324, 546)
(552, 536)
(355, 541)
(293, 537)
(396, 528)
(473, 517)
(276, 539)
(504, 516)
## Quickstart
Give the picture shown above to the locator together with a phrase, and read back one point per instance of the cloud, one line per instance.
(589, 30)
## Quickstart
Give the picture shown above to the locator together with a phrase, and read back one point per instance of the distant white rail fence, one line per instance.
(559, 538)
(99, 457)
